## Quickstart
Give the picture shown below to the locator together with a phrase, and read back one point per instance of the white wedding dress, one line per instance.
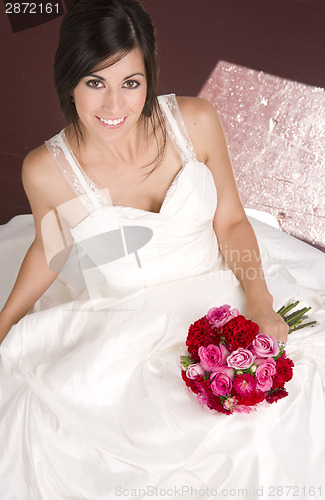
(92, 402)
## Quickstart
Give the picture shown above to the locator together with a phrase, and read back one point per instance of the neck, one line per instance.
(126, 151)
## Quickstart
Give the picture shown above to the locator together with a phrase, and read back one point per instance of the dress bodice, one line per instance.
(130, 248)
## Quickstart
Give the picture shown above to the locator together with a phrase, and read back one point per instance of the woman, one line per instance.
(93, 404)
(129, 157)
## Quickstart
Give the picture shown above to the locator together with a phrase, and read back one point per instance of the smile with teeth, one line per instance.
(112, 122)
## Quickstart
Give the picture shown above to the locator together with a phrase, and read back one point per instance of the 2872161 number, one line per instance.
(32, 8)
(295, 491)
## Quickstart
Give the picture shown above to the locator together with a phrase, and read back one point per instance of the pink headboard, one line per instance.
(275, 130)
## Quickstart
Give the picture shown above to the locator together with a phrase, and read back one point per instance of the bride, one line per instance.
(139, 230)
(106, 78)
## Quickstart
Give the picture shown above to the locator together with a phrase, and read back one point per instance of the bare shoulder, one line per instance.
(202, 123)
(41, 178)
(37, 166)
(197, 111)
(196, 105)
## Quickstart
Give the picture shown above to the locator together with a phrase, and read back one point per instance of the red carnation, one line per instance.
(251, 399)
(240, 332)
(284, 372)
(191, 383)
(200, 334)
(274, 396)
(199, 385)
(215, 403)
(211, 400)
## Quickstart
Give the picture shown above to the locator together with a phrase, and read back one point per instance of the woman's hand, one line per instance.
(269, 322)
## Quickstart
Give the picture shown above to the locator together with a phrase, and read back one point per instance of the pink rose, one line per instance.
(212, 356)
(264, 374)
(219, 316)
(264, 346)
(224, 369)
(194, 371)
(240, 359)
(221, 384)
(262, 361)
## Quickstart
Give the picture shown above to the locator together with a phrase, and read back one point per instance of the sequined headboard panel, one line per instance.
(275, 130)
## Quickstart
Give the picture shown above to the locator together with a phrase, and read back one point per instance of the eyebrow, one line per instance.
(124, 79)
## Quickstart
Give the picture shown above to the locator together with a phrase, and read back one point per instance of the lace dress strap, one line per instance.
(90, 196)
(176, 127)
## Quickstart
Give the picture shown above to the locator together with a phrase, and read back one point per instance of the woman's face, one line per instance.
(109, 102)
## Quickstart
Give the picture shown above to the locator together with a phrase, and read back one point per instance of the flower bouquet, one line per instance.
(231, 367)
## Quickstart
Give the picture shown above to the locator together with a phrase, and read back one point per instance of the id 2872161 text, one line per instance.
(32, 8)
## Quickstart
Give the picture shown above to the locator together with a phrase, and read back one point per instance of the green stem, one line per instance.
(284, 309)
(293, 329)
(298, 313)
(296, 318)
(294, 321)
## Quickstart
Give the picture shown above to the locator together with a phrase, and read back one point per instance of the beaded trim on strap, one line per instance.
(176, 127)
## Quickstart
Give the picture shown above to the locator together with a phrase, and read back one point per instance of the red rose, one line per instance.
(283, 373)
(200, 334)
(274, 396)
(240, 332)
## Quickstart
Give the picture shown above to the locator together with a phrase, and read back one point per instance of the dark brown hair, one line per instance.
(94, 31)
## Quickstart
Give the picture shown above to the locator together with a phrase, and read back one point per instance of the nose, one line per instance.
(113, 103)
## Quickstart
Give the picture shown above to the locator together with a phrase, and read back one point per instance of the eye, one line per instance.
(131, 84)
(94, 84)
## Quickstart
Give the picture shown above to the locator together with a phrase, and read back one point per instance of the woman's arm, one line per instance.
(35, 276)
(33, 280)
(235, 235)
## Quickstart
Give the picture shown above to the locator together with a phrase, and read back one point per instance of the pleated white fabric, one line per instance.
(92, 402)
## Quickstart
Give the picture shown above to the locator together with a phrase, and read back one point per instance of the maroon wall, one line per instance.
(281, 37)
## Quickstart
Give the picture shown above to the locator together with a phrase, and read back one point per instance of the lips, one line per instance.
(109, 123)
